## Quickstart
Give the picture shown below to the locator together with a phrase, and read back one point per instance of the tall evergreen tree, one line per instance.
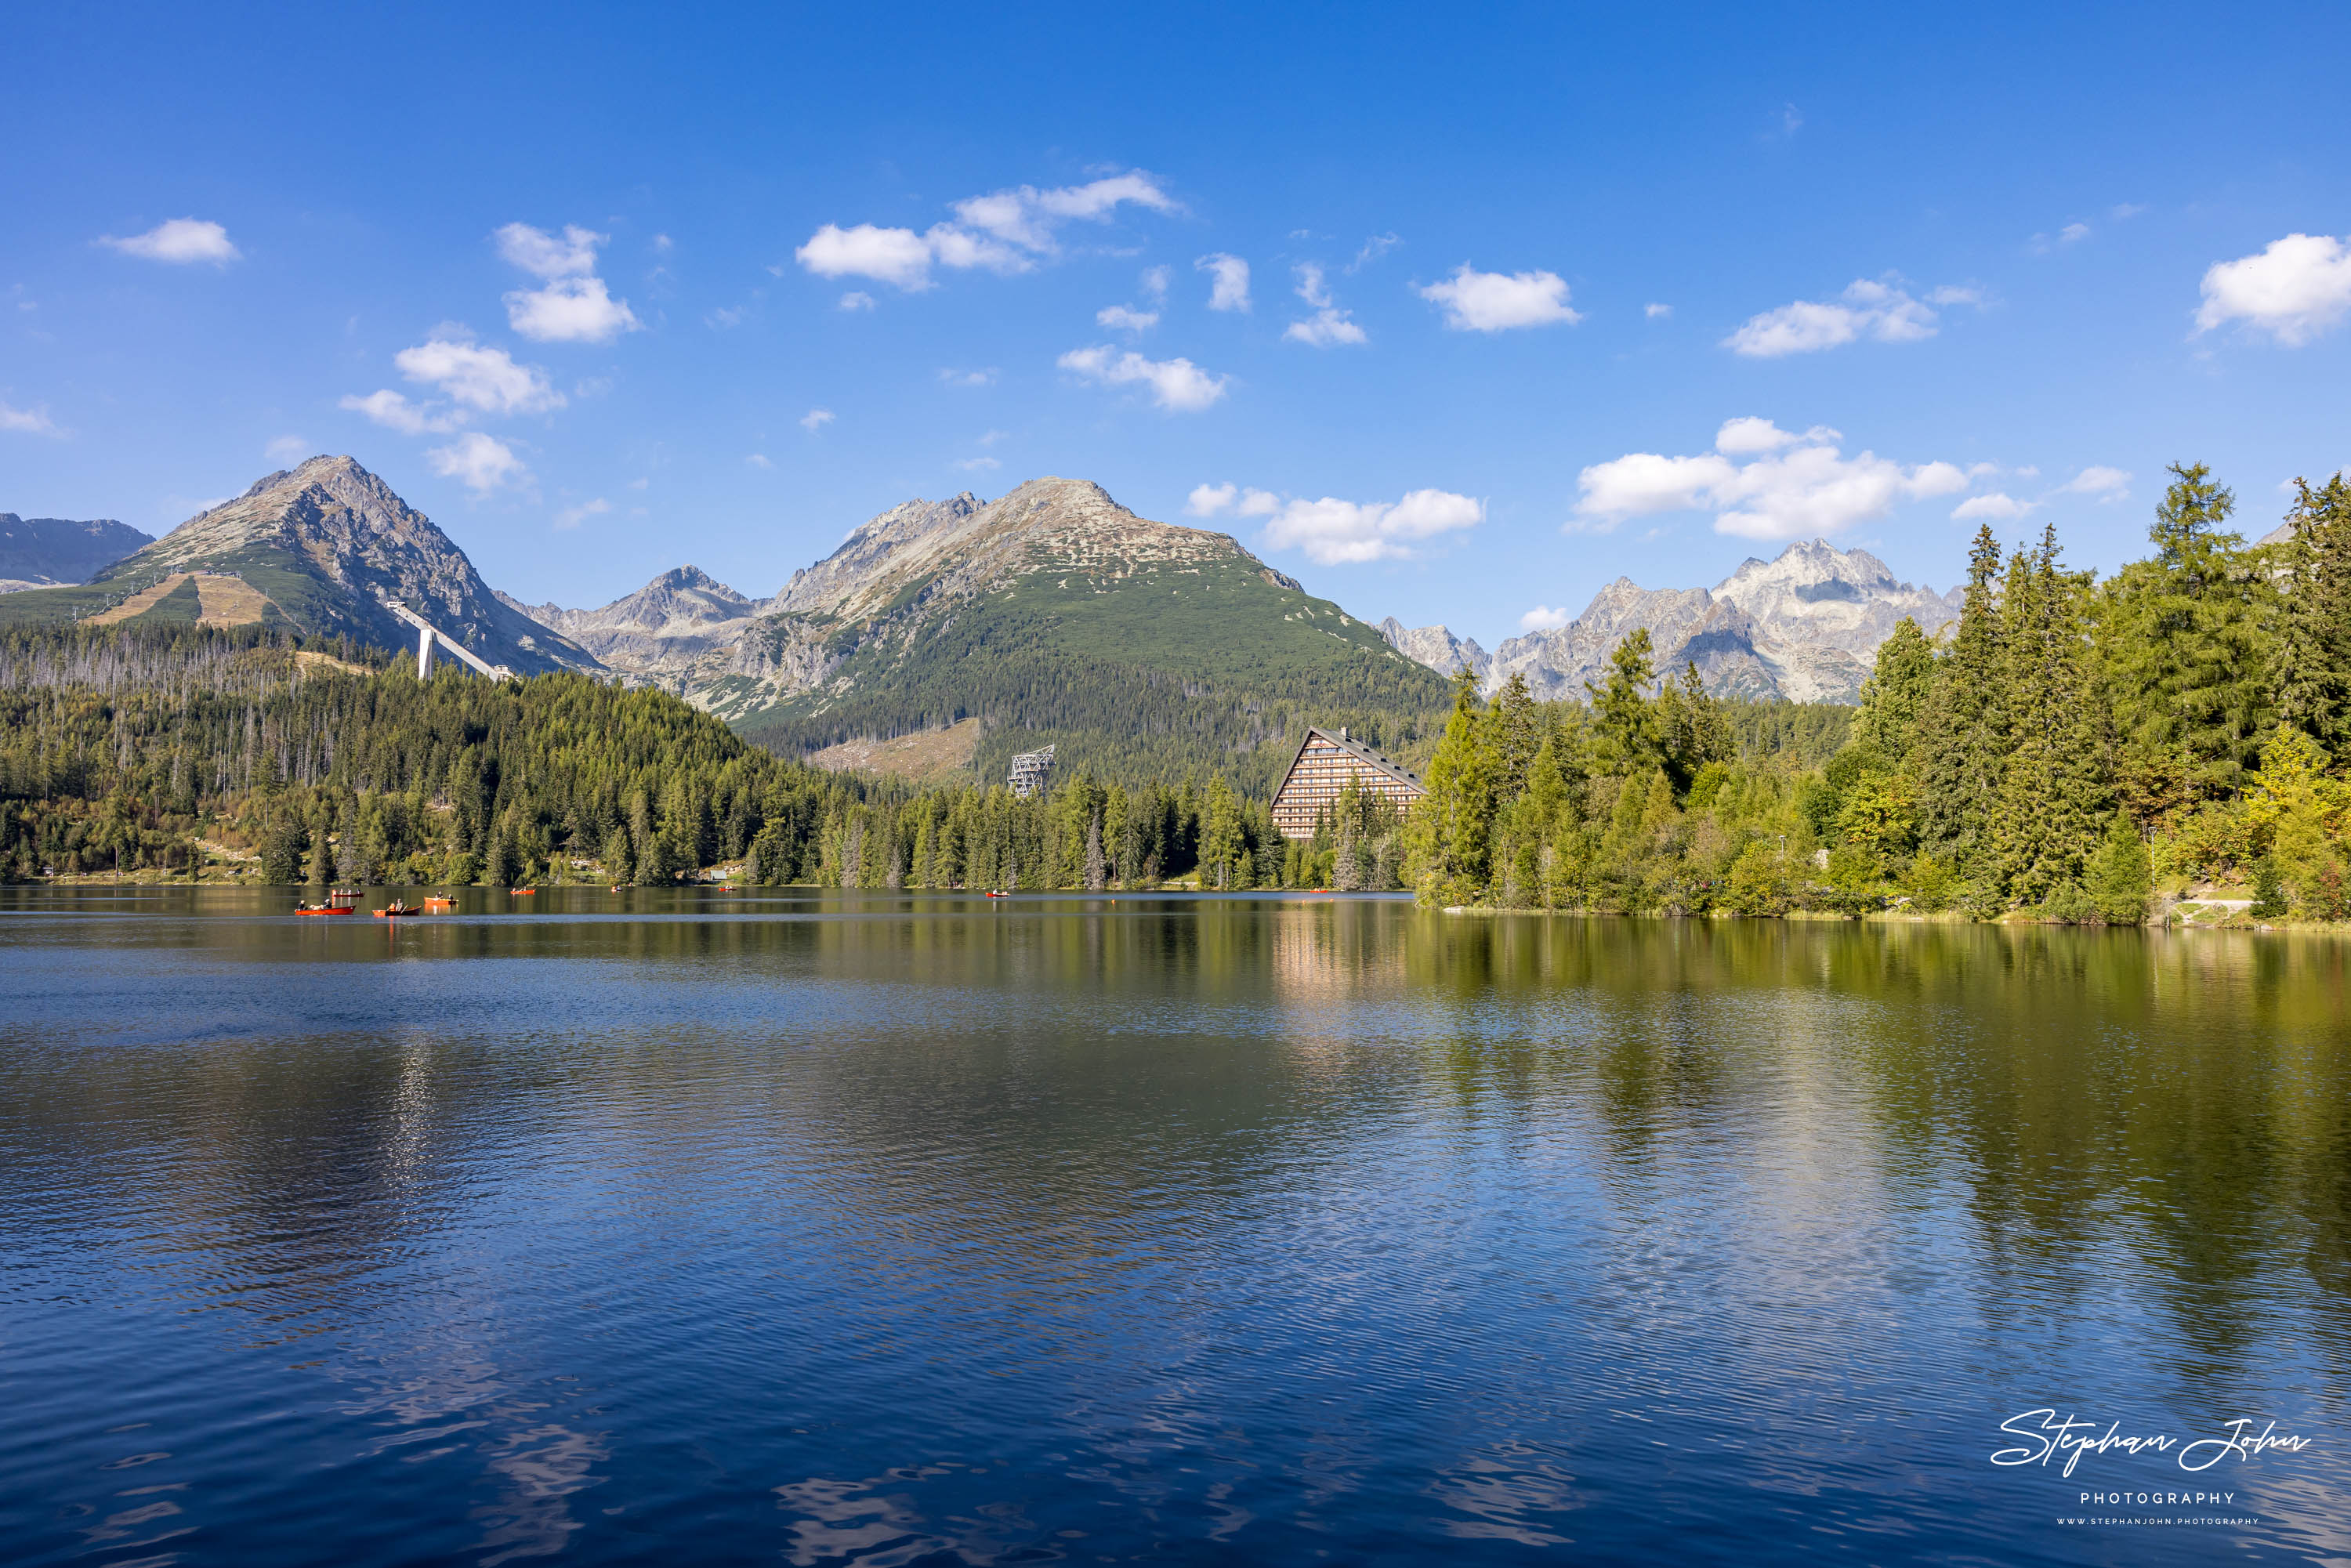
(2189, 646)
(1893, 698)
(1452, 824)
(1963, 732)
(2312, 659)
(2052, 792)
(1626, 738)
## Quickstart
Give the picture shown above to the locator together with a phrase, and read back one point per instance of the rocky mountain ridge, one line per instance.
(318, 548)
(1803, 626)
(52, 552)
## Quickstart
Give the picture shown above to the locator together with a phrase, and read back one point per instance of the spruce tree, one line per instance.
(1451, 825)
(1626, 738)
(1895, 696)
(2189, 646)
(2312, 660)
(2053, 789)
(1963, 732)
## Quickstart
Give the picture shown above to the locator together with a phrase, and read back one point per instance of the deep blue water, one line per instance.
(687, 1228)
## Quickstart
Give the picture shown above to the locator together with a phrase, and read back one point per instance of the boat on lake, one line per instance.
(323, 909)
(440, 900)
(395, 909)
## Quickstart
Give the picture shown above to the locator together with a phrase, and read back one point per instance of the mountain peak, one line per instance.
(319, 546)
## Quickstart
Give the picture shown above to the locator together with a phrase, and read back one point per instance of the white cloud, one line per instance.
(481, 462)
(1374, 248)
(2073, 233)
(856, 300)
(1790, 485)
(1231, 290)
(1177, 385)
(1216, 500)
(816, 419)
(1155, 280)
(1997, 506)
(727, 315)
(1958, 294)
(1119, 317)
(1334, 532)
(2105, 483)
(572, 517)
(1477, 301)
(570, 310)
(2123, 211)
(1657, 312)
(662, 244)
(27, 421)
(1325, 329)
(1880, 310)
(1027, 216)
(888, 256)
(394, 412)
(1542, 617)
(978, 464)
(287, 449)
(758, 460)
(1005, 231)
(983, 378)
(1329, 324)
(574, 307)
(2296, 288)
(1210, 500)
(546, 256)
(477, 376)
(179, 241)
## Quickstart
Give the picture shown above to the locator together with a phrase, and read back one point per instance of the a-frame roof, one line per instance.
(1360, 752)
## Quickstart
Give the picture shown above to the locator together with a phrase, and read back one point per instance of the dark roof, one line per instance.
(1360, 752)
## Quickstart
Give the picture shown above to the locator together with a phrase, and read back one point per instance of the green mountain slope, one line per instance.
(1057, 616)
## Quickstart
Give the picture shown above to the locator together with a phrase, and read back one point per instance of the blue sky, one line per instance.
(1536, 295)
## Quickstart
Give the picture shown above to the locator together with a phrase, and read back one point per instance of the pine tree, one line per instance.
(2312, 672)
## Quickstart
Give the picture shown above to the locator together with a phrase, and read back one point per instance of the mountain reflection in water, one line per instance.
(695, 1226)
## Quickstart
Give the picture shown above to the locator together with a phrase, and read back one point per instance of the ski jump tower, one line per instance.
(427, 634)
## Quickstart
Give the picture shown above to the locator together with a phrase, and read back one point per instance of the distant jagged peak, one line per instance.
(1437, 647)
(1809, 564)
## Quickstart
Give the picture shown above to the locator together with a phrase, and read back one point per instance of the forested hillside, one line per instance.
(2067, 748)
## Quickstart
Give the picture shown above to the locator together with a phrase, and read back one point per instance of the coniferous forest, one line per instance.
(2069, 748)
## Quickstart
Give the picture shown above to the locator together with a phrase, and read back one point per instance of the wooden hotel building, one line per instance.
(1323, 767)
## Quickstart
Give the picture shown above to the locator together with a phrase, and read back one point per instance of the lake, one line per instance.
(683, 1226)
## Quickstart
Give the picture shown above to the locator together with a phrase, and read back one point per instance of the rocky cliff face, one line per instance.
(1437, 648)
(44, 552)
(318, 548)
(656, 633)
(1805, 627)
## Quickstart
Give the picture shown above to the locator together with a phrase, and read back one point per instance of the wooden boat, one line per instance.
(440, 900)
(521, 892)
(993, 893)
(323, 909)
(395, 909)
